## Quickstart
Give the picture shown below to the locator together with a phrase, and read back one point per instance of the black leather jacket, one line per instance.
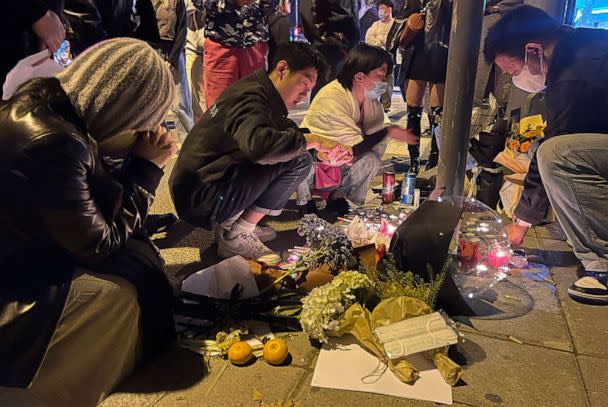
(59, 209)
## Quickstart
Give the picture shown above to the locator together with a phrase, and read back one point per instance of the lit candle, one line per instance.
(498, 258)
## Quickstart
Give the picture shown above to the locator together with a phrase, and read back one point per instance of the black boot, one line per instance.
(414, 117)
(434, 121)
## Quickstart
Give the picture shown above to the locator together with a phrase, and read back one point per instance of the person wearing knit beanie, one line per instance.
(119, 85)
(74, 248)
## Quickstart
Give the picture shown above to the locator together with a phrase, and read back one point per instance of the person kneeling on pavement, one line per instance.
(83, 292)
(348, 111)
(244, 158)
(569, 170)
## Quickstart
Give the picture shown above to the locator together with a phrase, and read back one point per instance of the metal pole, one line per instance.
(463, 52)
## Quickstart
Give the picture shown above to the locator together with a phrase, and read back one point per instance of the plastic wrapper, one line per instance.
(416, 335)
(361, 323)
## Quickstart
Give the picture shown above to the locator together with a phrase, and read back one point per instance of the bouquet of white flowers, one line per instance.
(325, 305)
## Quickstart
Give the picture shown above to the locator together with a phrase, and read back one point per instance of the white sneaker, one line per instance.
(246, 245)
(591, 288)
(264, 233)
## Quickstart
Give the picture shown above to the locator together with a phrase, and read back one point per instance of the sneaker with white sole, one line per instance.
(264, 233)
(246, 245)
(591, 288)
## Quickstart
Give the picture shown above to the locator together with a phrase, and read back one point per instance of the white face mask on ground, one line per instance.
(529, 82)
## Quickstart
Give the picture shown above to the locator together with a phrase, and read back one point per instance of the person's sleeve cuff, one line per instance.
(144, 173)
(530, 215)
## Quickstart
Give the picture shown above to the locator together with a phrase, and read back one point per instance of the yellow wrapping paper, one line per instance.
(360, 323)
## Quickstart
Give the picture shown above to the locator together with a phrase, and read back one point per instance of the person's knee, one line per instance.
(549, 155)
(370, 161)
(107, 292)
(119, 293)
(183, 201)
(303, 163)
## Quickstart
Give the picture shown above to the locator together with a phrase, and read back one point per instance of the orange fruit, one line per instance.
(240, 353)
(275, 351)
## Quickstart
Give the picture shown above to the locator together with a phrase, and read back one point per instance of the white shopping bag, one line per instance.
(510, 194)
(39, 65)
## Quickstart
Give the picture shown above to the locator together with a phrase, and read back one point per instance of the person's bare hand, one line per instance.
(320, 143)
(516, 234)
(335, 153)
(345, 159)
(50, 31)
(157, 147)
(401, 134)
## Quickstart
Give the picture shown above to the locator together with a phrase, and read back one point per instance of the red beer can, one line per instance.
(388, 187)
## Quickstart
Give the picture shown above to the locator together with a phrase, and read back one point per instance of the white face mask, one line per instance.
(529, 82)
(381, 14)
(377, 91)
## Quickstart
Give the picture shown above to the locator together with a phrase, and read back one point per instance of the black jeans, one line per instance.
(262, 188)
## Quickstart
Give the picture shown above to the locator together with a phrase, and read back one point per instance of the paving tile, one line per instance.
(557, 253)
(175, 370)
(526, 307)
(595, 376)
(588, 324)
(320, 397)
(498, 372)
(303, 354)
(550, 231)
(233, 386)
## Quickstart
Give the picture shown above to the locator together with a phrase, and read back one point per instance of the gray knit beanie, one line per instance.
(119, 85)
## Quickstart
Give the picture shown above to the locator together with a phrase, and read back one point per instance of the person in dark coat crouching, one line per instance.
(244, 158)
(82, 292)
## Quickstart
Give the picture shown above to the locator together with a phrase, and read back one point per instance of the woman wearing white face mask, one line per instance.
(348, 111)
(570, 172)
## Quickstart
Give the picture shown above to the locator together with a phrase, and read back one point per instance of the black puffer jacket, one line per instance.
(60, 209)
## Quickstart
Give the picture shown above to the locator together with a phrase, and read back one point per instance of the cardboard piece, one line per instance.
(343, 364)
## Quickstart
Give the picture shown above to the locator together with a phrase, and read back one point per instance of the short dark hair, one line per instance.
(514, 30)
(387, 3)
(300, 56)
(363, 58)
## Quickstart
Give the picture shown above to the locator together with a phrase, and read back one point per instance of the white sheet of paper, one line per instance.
(218, 280)
(343, 364)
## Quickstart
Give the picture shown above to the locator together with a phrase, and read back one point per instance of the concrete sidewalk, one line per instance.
(534, 347)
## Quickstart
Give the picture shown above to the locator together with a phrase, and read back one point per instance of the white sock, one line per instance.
(241, 226)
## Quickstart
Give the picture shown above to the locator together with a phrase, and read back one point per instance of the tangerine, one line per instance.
(240, 353)
(275, 351)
